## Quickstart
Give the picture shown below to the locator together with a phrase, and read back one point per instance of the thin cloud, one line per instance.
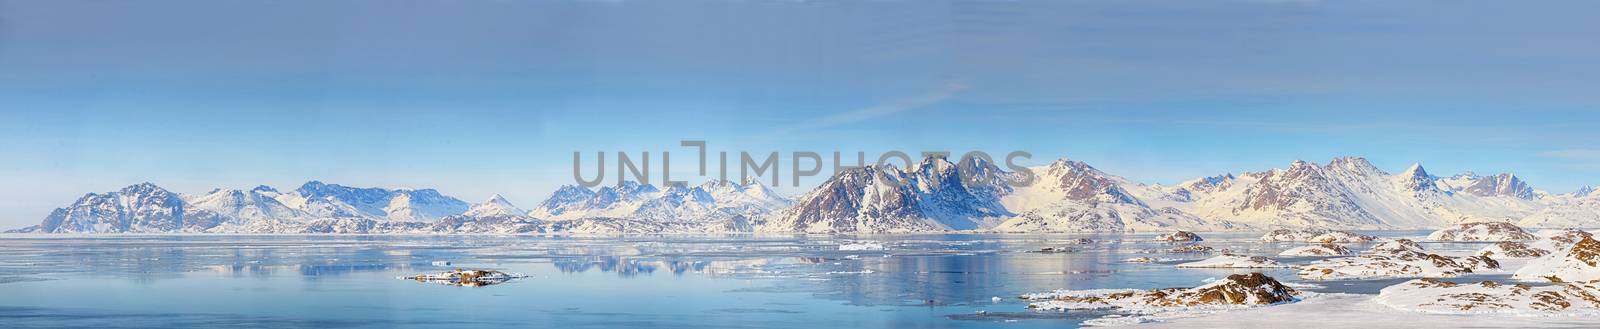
(936, 96)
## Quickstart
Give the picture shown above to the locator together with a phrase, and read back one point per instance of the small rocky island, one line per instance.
(467, 278)
(1253, 289)
(1180, 236)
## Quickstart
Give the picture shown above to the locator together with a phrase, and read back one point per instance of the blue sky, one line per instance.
(484, 97)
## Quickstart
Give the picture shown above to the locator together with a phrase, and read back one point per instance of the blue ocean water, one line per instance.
(731, 281)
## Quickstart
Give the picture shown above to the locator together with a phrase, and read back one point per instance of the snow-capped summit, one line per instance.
(496, 206)
(1209, 184)
(1417, 179)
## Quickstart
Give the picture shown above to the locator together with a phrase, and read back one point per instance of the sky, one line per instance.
(476, 98)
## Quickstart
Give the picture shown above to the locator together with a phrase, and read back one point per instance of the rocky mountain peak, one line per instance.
(143, 188)
(1209, 184)
(1416, 171)
(1585, 191)
(497, 199)
(1353, 164)
(1416, 179)
(496, 205)
(1503, 184)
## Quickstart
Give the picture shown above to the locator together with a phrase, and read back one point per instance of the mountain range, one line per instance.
(934, 195)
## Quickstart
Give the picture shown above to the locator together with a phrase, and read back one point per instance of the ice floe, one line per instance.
(861, 246)
(1053, 250)
(1191, 249)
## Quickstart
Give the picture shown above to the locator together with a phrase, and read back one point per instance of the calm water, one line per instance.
(933, 281)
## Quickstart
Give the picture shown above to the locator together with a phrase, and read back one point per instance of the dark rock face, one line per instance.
(929, 197)
(1080, 182)
(1586, 251)
(1306, 185)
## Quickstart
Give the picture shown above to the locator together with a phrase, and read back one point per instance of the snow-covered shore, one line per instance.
(1359, 311)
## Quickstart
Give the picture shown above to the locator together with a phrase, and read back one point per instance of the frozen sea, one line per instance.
(727, 281)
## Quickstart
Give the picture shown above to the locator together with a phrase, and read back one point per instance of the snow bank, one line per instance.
(1341, 237)
(1512, 250)
(1326, 249)
(1395, 259)
(1489, 297)
(1580, 263)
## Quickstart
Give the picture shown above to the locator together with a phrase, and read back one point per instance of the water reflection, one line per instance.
(628, 267)
(916, 281)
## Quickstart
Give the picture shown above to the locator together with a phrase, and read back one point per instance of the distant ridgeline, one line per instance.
(929, 196)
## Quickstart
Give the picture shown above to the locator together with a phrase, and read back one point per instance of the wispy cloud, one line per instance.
(946, 91)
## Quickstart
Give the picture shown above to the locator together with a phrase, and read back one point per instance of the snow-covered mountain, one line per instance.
(337, 201)
(1350, 193)
(1072, 196)
(932, 195)
(147, 208)
(496, 206)
(886, 199)
(715, 206)
(257, 206)
(1067, 196)
(142, 208)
